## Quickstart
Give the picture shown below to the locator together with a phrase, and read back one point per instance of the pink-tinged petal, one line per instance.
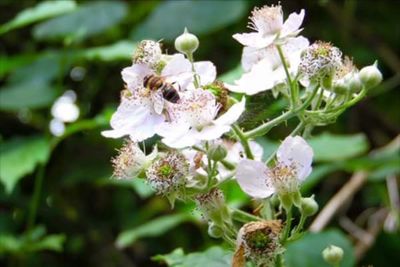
(259, 79)
(177, 65)
(133, 75)
(233, 113)
(293, 23)
(251, 177)
(257, 150)
(206, 70)
(296, 152)
(146, 129)
(254, 39)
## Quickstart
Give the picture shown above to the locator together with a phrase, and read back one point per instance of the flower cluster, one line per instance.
(194, 121)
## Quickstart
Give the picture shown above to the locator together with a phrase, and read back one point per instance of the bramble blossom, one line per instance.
(294, 158)
(194, 120)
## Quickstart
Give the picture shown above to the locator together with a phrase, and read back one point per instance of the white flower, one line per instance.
(64, 110)
(194, 119)
(142, 110)
(264, 68)
(294, 158)
(269, 27)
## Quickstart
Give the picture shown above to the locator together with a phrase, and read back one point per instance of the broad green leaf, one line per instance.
(39, 12)
(214, 256)
(89, 19)
(318, 174)
(11, 63)
(331, 147)
(307, 251)
(152, 228)
(121, 50)
(34, 240)
(19, 156)
(28, 95)
(169, 18)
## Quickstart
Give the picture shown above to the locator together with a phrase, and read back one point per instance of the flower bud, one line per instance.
(333, 255)
(217, 152)
(308, 206)
(214, 230)
(370, 76)
(186, 43)
(355, 84)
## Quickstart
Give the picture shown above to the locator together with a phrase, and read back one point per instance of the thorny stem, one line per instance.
(243, 140)
(242, 216)
(287, 226)
(293, 94)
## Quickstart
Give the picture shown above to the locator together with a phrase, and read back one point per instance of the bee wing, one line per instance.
(158, 101)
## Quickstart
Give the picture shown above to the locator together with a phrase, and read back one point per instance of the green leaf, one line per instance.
(31, 241)
(232, 75)
(89, 19)
(169, 18)
(39, 12)
(19, 157)
(26, 95)
(121, 50)
(331, 147)
(152, 228)
(11, 63)
(214, 256)
(318, 174)
(307, 251)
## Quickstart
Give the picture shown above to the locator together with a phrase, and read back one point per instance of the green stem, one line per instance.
(266, 127)
(243, 140)
(242, 216)
(289, 79)
(288, 225)
(36, 196)
(196, 77)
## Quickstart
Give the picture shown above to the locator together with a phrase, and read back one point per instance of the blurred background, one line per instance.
(59, 205)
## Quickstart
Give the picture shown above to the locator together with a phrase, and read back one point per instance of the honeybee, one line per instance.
(161, 90)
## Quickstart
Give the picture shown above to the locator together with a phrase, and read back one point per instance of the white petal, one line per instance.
(257, 150)
(259, 79)
(133, 75)
(251, 177)
(292, 23)
(212, 132)
(251, 56)
(147, 128)
(206, 70)
(254, 39)
(177, 65)
(232, 114)
(294, 151)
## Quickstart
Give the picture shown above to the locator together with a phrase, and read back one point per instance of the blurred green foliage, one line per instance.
(58, 204)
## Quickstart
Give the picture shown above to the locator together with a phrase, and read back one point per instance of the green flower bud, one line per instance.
(214, 230)
(333, 255)
(186, 43)
(370, 76)
(308, 206)
(341, 87)
(217, 153)
(355, 84)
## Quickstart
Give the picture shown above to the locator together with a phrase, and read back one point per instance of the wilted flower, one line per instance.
(212, 205)
(259, 242)
(294, 158)
(167, 174)
(194, 120)
(149, 53)
(319, 61)
(131, 161)
(267, 22)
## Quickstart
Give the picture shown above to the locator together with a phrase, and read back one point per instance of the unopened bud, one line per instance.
(370, 76)
(217, 153)
(333, 255)
(355, 84)
(214, 230)
(308, 206)
(186, 43)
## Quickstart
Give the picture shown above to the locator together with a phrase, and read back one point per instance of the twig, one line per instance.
(345, 193)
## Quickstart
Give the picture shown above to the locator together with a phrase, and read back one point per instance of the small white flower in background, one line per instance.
(267, 22)
(294, 159)
(264, 69)
(194, 120)
(131, 161)
(64, 110)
